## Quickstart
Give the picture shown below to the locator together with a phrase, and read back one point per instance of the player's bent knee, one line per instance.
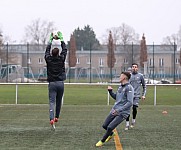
(109, 129)
(104, 126)
(135, 107)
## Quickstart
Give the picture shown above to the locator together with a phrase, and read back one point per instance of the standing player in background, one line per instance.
(55, 77)
(136, 80)
(121, 109)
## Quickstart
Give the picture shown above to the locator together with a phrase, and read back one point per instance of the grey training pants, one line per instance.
(56, 90)
(112, 121)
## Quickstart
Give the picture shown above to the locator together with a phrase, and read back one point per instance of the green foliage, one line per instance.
(86, 38)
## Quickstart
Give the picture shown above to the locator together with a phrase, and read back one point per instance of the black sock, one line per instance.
(134, 111)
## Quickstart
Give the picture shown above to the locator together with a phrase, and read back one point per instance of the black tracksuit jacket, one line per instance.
(56, 65)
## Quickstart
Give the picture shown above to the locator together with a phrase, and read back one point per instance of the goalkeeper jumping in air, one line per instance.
(55, 77)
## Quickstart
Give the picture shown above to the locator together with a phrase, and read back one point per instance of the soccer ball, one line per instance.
(55, 35)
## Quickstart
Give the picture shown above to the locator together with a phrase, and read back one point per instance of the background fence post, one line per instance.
(16, 93)
(62, 99)
(155, 95)
(108, 98)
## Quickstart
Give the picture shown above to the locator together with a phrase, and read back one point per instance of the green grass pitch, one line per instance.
(79, 128)
(84, 94)
(85, 108)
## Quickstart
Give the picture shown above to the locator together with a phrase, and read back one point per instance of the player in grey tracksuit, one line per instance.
(137, 81)
(121, 109)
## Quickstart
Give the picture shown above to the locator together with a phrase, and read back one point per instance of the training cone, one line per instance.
(164, 112)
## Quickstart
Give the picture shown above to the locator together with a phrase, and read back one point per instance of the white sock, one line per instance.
(127, 123)
(133, 120)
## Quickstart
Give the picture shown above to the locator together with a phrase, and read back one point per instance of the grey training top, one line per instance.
(124, 99)
(136, 81)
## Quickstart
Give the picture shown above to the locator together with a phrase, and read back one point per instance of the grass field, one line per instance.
(27, 127)
(84, 94)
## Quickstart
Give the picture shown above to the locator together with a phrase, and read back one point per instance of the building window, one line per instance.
(177, 61)
(177, 71)
(101, 71)
(78, 61)
(40, 70)
(29, 60)
(101, 62)
(161, 62)
(150, 62)
(88, 61)
(161, 71)
(115, 62)
(125, 61)
(40, 60)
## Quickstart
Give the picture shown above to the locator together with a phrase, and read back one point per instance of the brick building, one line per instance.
(31, 58)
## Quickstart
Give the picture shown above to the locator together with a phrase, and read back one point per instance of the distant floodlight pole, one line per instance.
(1, 39)
(111, 67)
(153, 62)
(174, 63)
(90, 63)
(7, 67)
(69, 66)
(132, 54)
(28, 62)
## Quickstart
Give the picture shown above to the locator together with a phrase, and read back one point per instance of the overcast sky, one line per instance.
(155, 18)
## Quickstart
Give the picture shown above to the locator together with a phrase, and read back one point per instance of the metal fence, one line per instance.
(25, 63)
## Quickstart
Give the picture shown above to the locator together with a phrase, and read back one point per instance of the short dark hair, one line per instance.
(55, 51)
(128, 74)
(135, 64)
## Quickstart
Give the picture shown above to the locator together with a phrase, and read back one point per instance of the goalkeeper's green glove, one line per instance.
(60, 36)
(51, 38)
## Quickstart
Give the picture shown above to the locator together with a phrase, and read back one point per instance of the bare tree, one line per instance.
(115, 35)
(179, 38)
(124, 34)
(180, 56)
(169, 40)
(1, 37)
(174, 38)
(38, 31)
(127, 35)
